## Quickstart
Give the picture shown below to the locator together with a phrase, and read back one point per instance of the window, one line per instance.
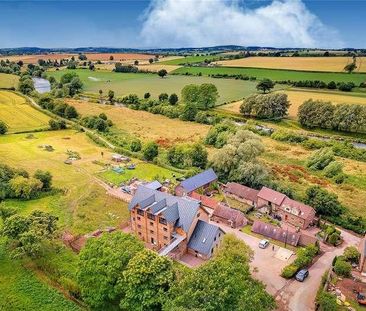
(150, 216)
(152, 231)
(211, 250)
(215, 239)
(165, 237)
(165, 229)
(198, 215)
(138, 218)
(133, 218)
(162, 221)
(139, 233)
(140, 212)
(139, 226)
(151, 223)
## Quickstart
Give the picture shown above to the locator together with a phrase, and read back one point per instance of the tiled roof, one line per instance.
(242, 191)
(228, 213)
(276, 233)
(199, 180)
(179, 210)
(305, 211)
(205, 200)
(272, 196)
(203, 237)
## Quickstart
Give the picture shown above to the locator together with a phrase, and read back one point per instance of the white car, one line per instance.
(263, 243)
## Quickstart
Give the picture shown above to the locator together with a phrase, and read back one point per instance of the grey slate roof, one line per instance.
(158, 206)
(203, 237)
(199, 180)
(155, 185)
(178, 209)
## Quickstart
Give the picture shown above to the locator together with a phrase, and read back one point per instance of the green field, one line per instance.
(276, 74)
(126, 83)
(20, 289)
(144, 171)
(8, 81)
(189, 60)
(81, 204)
(19, 115)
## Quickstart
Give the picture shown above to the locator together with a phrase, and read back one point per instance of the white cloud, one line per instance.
(195, 23)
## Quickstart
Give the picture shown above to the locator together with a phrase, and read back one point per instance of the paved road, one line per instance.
(301, 296)
(265, 267)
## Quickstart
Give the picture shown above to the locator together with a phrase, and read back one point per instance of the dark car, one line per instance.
(302, 275)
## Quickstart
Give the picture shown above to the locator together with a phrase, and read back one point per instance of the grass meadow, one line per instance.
(276, 74)
(19, 115)
(331, 64)
(144, 125)
(8, 81)
(81, 204)
(127, 83)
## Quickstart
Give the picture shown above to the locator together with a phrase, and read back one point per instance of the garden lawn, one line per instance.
(140, 83)
(143, 171)
(19, 115)
(8, 81)
(276, 74)
(145, 125)
(81, 204)
(21, 290)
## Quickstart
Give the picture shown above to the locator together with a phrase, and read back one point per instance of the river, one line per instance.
(41, 85)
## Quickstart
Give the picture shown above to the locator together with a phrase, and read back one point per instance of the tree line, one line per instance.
(340, 117)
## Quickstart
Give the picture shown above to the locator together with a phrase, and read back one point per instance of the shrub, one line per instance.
(351, 254)
(333, 169)
(288, 136)
(320, 159)
(3, 128)
(327, 302)
(289, 271)
(334, 238)
(151, 150)
(342, 268)
(136, 145)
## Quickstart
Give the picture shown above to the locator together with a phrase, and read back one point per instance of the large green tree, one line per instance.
(146, 281)
(223, 283)
(101, 265)
(265, 85)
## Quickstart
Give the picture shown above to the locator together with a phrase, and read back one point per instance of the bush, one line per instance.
(342, 268)
(288, 136)
(320, 159)
(289, 271)
(327, 302)
(333, 169)
(136, 145)
(351, 254)
(151, 151)
(3, 128)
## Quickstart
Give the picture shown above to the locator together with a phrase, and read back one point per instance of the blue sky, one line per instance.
(177, 23)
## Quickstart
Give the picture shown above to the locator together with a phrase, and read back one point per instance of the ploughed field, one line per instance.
(138, 83)
(276, 74)
(19, 115)
(332, 64)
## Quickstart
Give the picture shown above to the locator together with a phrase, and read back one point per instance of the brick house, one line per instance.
(278, 204)
(197, 183)
(207, 202)
(172, 225)
(241, 193)
(229, 216)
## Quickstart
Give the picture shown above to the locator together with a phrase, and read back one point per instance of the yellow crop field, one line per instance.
(145, 125)
(19, 115)
(7, 81)
(332, 64)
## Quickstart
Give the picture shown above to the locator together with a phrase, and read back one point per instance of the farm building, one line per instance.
(206, 201)
(229, 216)
(198, 183)
(172, 225)
(269, 198)
(276, 233)
(155, 185)
(362, 261)
(241, 193)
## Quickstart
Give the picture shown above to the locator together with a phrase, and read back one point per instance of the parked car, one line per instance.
(263, 243)
(302, 275)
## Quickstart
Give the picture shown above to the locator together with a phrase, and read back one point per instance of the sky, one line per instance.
(183, 23)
